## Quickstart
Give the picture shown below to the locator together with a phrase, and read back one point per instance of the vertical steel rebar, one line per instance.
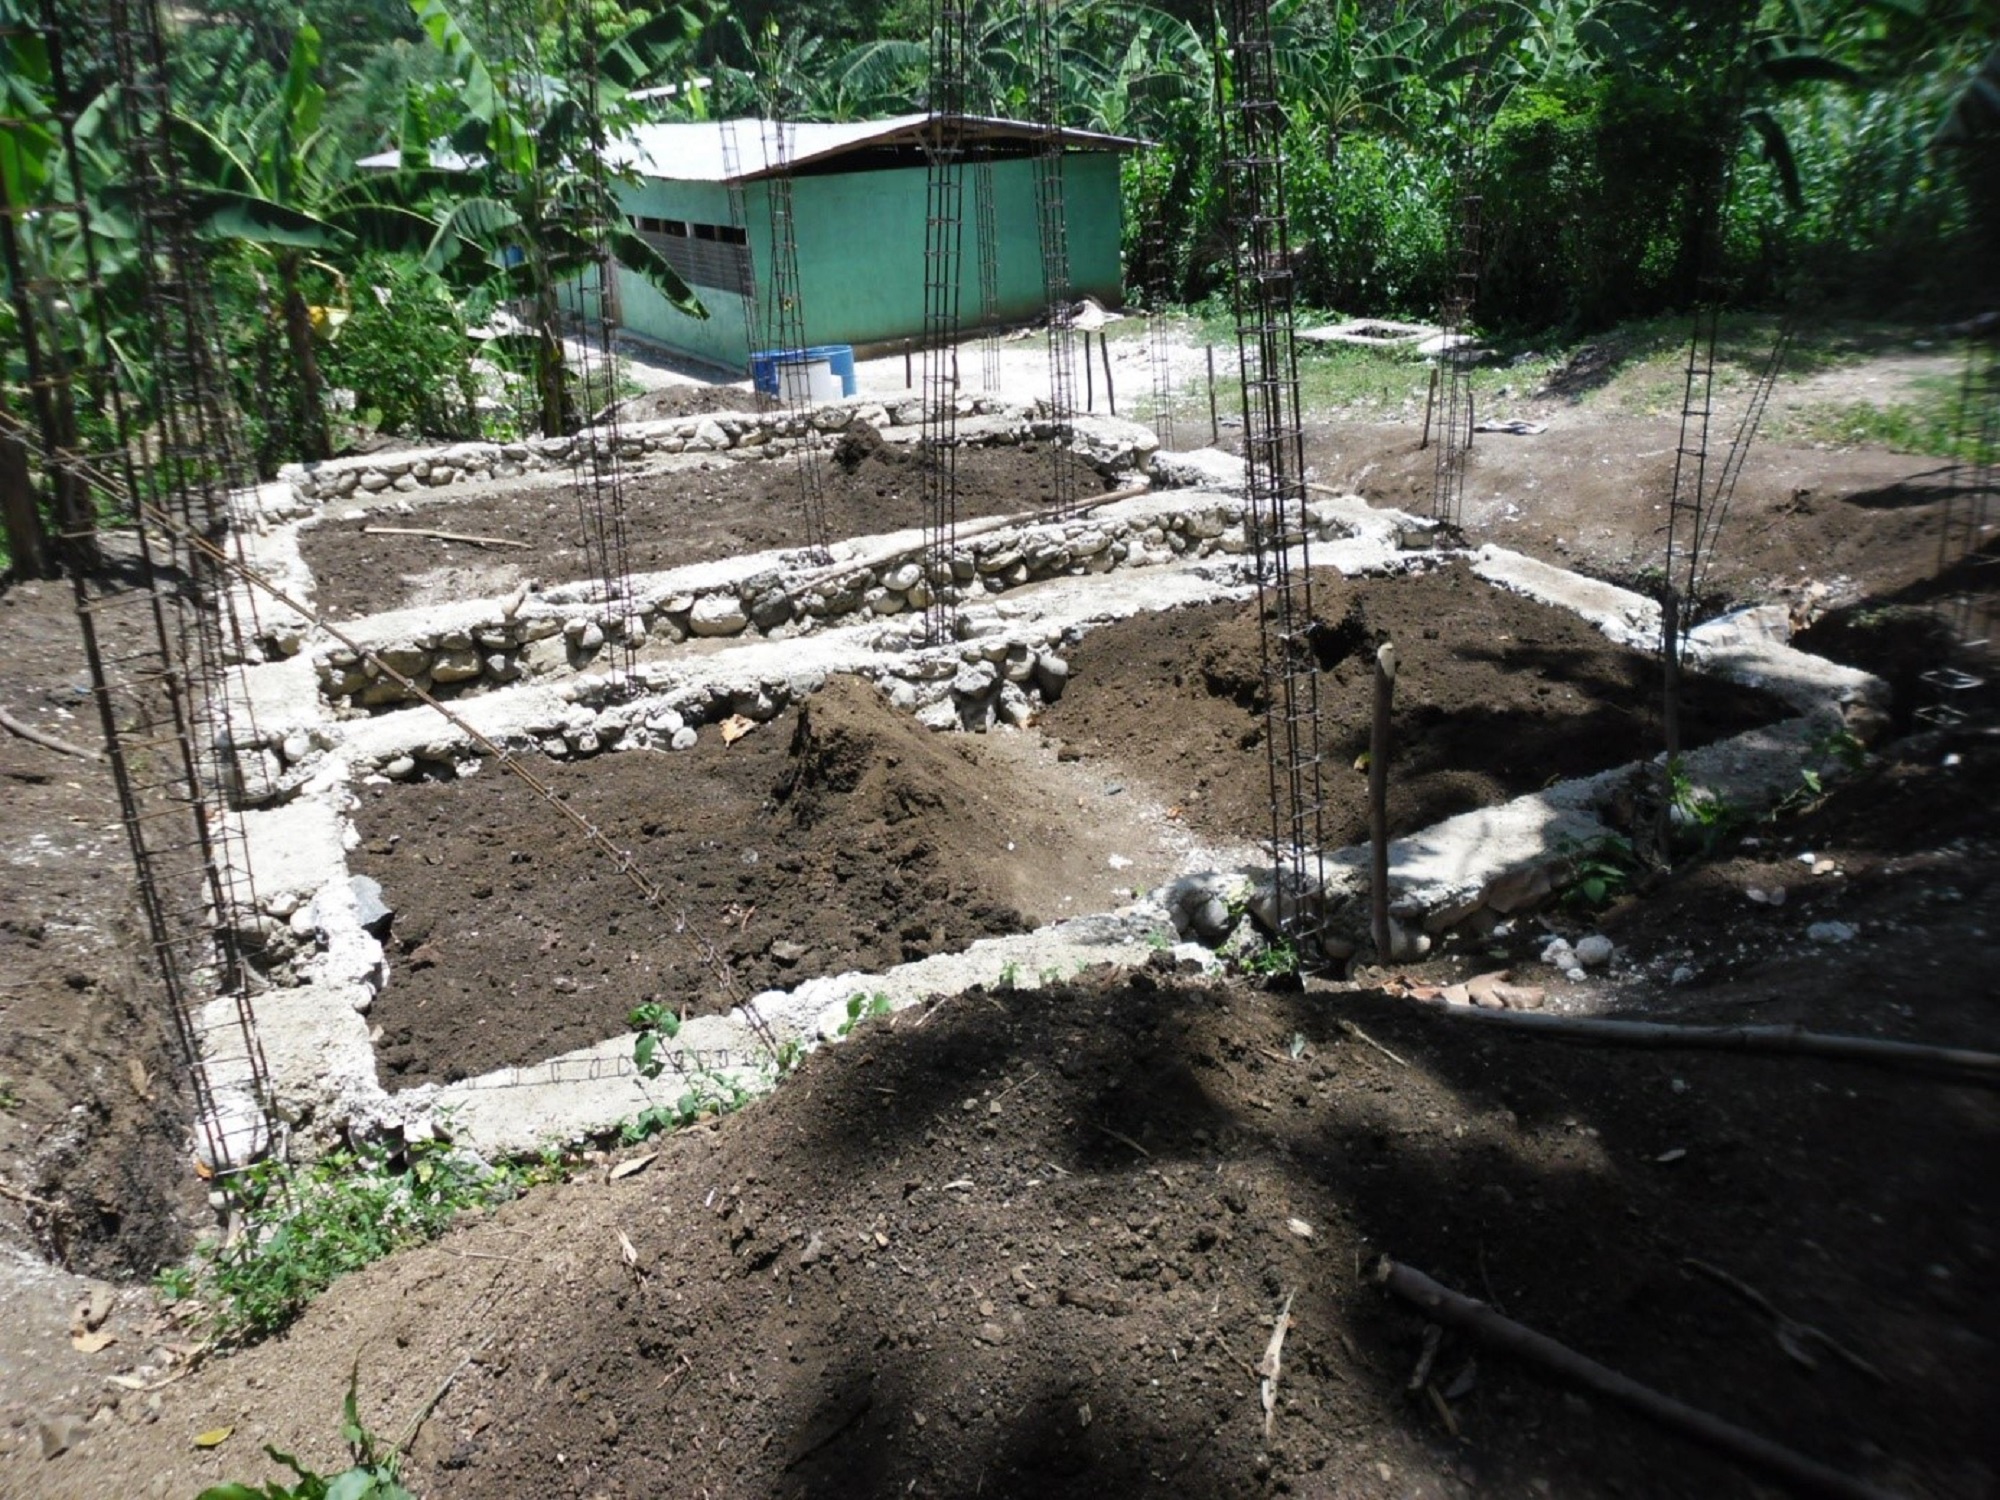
(1274, 460)
(944, 145)
(1052, 226)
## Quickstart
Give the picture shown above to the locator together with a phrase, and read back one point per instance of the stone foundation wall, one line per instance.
(535, 636)
(1111, 444)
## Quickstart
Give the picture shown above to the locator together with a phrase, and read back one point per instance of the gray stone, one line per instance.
(975, 681)
(370, 910)
(883, 601)
(298, 745)
(709, 434)
(374, 480)
(682, 739)
(1831, 932)
(402, 768)
(664, 721)
(903, 578)
(1019, 664)
(456, 666)
(1051, 675)
(1212, 921)
(717, 614)
(1594, 952)
(771, 609)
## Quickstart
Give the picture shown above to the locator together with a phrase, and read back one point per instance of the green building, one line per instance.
(859, 197)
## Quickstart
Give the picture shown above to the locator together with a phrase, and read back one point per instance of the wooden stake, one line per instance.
(445, 536)
(1982, 1068)
(1378, 799)
(1089, 390)
(1430, 400)
(1214, 420)
(1104, 353)
(1670, 714)
(1803, 1475)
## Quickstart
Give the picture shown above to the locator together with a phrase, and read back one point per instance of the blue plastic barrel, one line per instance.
(839, 359)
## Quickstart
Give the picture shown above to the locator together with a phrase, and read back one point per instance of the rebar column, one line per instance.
(944, 144)
(787, 309)
(1454, 379)
(1053, 227)
(164, 635)
(1274, 460)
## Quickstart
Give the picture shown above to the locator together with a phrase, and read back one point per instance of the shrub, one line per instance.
(404, 352)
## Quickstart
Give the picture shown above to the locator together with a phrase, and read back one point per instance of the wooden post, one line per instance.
(909, 373)
(1214, 421)
(1430, 400)
(1089, 391)
(1110, 396)
(1378, 799)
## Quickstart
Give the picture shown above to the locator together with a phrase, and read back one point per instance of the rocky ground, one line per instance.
(1037, 1240)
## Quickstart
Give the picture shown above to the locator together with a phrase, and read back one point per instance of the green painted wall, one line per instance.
(860, 239)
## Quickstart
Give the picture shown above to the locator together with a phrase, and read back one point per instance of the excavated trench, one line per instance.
(783, 795)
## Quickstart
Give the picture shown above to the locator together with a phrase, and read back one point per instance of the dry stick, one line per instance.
(1967, 1066)
(1796, 1471)
(653, 896)
(1378, 799)
(443, 536)
(1089, 389)
(1361, 1036)
(1430, 400)
(46, 740)
(1104, 350)
(424, 1411)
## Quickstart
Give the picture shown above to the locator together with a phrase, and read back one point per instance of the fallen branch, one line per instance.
(1801, 1474)
(1119, 1135)
(46, 740)
(1971, 1067)
(445, 536)
(1361, 1036)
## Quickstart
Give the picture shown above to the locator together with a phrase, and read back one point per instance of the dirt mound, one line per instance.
(838, 837)
(1496, 696)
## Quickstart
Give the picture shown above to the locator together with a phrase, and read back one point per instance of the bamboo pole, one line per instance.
(1214, 418)
(1968, 1066)
(1802, 1475)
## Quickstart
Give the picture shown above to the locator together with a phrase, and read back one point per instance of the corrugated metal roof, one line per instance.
(692, 151)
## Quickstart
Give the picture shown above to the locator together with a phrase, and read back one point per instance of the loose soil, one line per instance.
(839, 836)
(1496, 696)
(687, 513)
(1034, 1243)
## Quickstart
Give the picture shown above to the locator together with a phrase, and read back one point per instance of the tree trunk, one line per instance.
(21, 512)
(316, 442)
(551, 388)
(75, 512)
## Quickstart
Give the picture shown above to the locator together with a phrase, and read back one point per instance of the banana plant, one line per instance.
(540, 212)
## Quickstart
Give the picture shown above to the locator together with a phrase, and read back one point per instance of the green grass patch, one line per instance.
(1928, 421)
(299, 1228)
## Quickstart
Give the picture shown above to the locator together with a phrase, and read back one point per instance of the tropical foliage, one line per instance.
(1626, 154)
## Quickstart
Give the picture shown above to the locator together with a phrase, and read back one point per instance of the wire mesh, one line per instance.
(1455, 366)
(787, 309)
(1274, 460)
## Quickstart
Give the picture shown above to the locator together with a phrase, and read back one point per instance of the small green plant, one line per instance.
(300, 1227)
(707, 1091)
(1601, 871)
(1273, 962)
(860, 1008)
(1159, 940)
(9, 1097)
(1052, 975)
(372, 1477)
(1010, 975)
(1705, 818)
